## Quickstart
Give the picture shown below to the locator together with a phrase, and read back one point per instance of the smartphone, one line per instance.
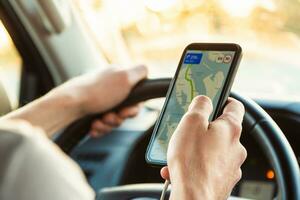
(204, 69)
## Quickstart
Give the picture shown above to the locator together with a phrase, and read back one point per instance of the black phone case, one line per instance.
(224, 95)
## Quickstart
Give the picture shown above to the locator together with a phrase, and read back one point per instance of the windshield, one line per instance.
(155, 32)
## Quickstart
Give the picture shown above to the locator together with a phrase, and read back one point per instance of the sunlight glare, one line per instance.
(239, 8)
(4, 38)
(161, 5)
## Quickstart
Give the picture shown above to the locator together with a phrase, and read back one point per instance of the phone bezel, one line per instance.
(224, 94)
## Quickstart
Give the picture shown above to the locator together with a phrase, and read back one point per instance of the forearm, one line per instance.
(50, 112)
(91, 93)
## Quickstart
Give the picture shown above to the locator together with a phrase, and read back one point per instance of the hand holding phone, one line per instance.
(204, 69)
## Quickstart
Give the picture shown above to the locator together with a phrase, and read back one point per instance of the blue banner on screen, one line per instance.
(193, 58)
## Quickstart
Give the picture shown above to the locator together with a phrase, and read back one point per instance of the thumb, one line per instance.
(137, 74)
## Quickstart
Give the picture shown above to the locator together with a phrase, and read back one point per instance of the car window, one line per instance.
(155, 32)
(10, 67)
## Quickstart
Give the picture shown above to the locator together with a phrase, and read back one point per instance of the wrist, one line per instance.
(191, 191)
(184, 186)
(71, 104)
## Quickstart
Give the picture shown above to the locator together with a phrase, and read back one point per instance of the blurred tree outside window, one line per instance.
(10, 67)
(155, 32)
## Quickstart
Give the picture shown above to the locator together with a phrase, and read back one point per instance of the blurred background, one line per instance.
(155, 32)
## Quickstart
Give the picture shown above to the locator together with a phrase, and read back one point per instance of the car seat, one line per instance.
(5, 106)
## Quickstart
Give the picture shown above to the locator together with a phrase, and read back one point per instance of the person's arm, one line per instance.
(204, 158)
(90, 93)
(33, 168)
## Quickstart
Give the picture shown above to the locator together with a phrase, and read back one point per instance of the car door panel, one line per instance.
(68, 53)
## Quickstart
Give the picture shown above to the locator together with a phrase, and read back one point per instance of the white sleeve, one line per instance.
(33, 168)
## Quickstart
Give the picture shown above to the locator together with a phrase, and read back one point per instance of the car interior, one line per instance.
(47, 42)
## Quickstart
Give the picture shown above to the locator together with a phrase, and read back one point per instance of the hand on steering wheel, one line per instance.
(111, 120)
(98, 92)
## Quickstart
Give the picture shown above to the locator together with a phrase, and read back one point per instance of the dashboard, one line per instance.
(258, 179)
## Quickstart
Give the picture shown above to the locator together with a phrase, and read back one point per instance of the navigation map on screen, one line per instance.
(201, 73)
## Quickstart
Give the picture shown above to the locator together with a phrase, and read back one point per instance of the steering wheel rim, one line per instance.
(274, 145)
(256, 120)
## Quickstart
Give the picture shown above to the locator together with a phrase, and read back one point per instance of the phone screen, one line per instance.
(200, 73)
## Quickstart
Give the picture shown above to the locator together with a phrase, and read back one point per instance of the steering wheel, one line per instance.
(256, 122)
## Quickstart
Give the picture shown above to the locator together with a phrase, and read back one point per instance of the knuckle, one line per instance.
(219, 126)
(243, 153)
(234, 124)
(124, 78)
(194, 117)
(235, 101)
(108, 117)
(239, 175)
(95, 126)
(119, 122)
(237, 130)
(240, 105)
